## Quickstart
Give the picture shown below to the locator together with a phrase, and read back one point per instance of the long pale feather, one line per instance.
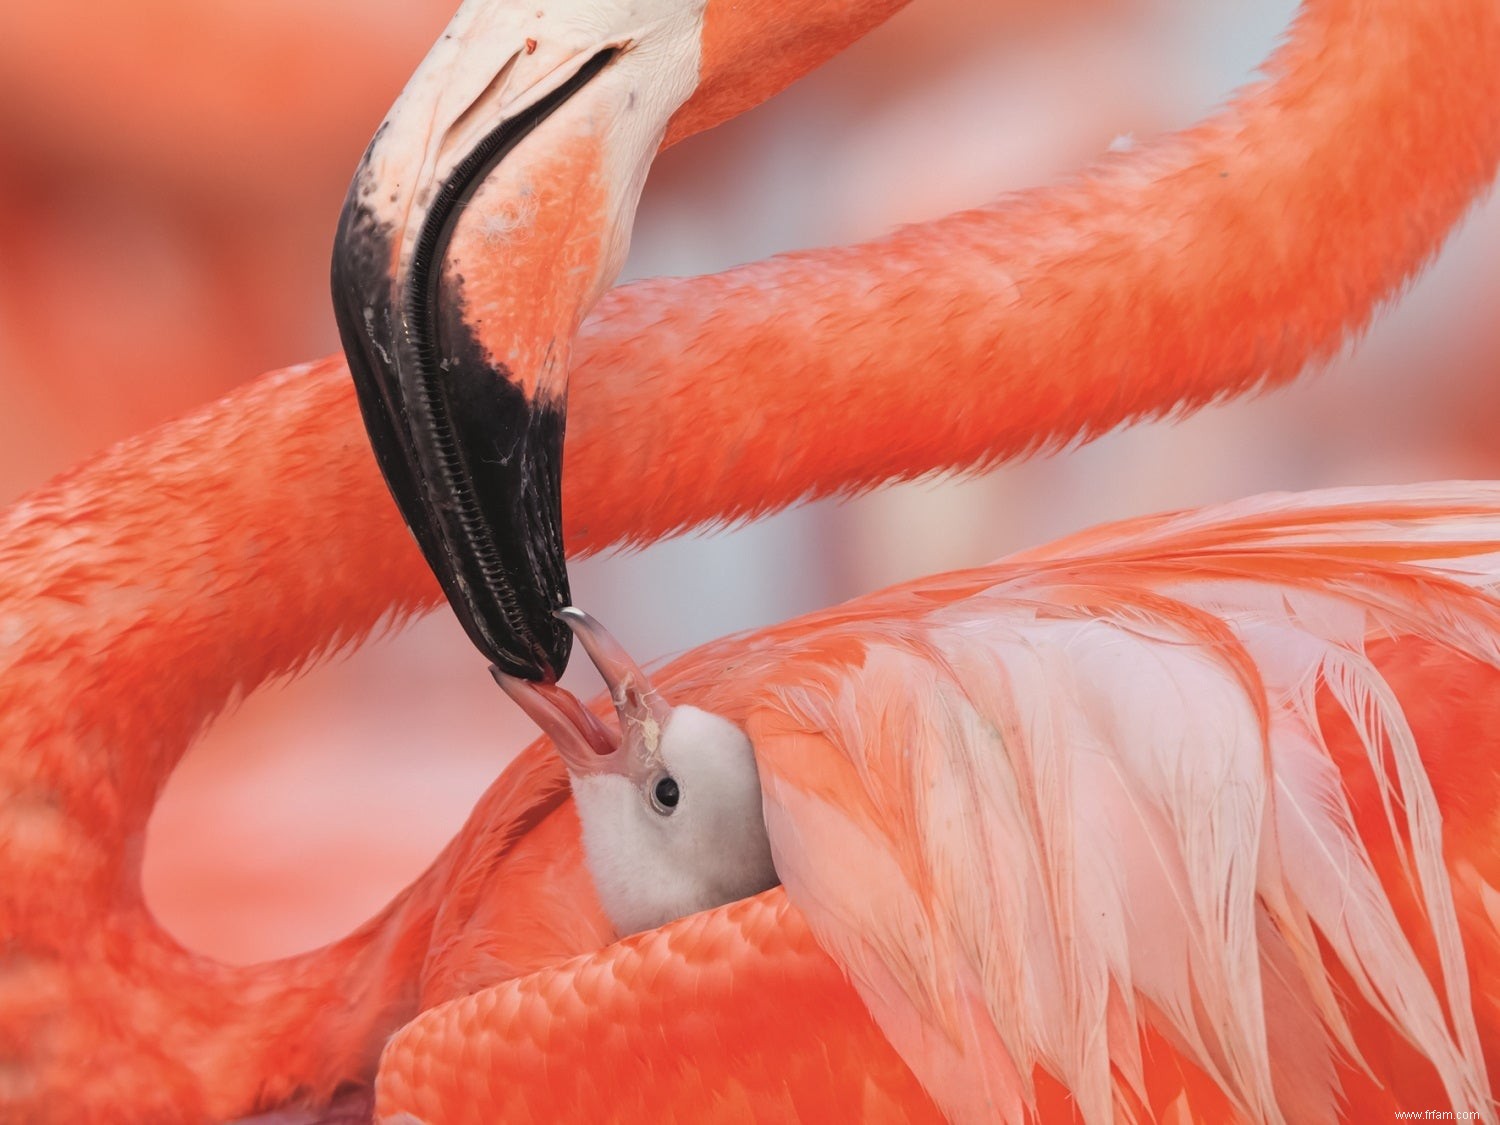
(1039, 809)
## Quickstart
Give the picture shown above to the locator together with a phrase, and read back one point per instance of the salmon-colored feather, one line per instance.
(692, 995)
(142, 593)
(1085, 804)
(1108, 850)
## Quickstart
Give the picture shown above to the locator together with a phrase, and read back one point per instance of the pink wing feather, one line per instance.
(1188, 818)
(1094, 795)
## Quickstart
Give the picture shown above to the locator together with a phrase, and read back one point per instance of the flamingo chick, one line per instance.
(670, 806)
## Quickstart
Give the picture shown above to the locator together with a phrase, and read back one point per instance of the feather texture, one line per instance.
(114, 652)
(1092, 792)
(1185, 819)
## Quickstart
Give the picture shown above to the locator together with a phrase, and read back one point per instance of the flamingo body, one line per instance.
(1141, 819)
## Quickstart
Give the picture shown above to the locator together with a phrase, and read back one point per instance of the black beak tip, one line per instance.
(546, 656)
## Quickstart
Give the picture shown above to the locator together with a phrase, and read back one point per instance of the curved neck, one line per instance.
(147, 589)
(1211, 263)
(255, 1037)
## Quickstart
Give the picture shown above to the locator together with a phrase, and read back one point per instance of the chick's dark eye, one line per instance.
(665, 794)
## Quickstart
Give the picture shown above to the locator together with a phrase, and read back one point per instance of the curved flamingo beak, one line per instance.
(585, 743)
(489, 213)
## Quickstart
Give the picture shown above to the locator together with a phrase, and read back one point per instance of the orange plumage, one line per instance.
(956, 771)
(144, 591)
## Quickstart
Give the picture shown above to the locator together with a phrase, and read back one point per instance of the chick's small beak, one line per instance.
(639, 705)
(587, 746)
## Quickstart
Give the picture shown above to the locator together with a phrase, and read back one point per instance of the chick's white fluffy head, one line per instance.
(654, 860)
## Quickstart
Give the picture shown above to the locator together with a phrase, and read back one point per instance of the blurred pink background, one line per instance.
(170, 173)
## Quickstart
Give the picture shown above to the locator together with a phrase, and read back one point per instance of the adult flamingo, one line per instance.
(294, 550)
(1137, 821)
